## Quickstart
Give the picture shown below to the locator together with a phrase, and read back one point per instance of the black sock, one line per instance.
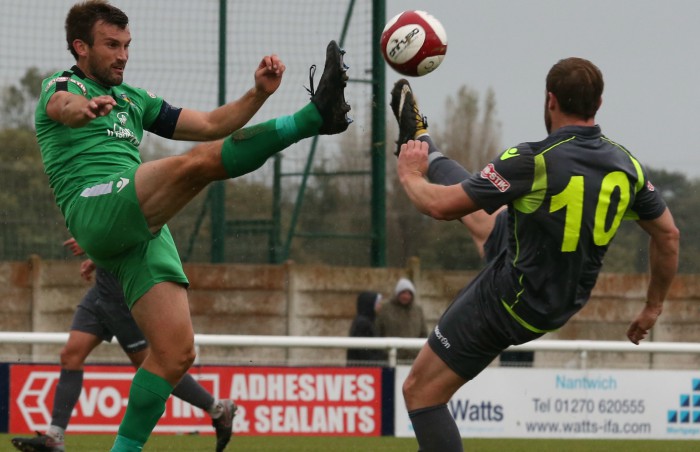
(193, 393)
(436, 430)
(442, 170)
(70, 383)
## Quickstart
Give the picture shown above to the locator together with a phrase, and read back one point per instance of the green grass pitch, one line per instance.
(187, 443)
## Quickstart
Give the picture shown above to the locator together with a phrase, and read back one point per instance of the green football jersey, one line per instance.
(77, 157)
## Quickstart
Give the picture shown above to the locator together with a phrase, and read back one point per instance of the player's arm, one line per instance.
(438, 201)
(663, 264)
(74, 110)
(195, 125)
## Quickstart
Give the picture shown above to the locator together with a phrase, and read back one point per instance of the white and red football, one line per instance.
(414, 43)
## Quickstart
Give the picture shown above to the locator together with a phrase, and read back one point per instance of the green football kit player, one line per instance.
(89, 124)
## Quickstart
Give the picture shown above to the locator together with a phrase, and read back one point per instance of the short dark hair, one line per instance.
(83, 16)
(578, 86)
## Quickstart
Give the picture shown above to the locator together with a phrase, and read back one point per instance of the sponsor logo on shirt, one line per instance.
(123, 133)
(512, 152)
(489, 173)
(123, 182)
(66, 79)
(443, 340)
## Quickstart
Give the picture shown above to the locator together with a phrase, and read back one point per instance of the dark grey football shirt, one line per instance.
(566, 197)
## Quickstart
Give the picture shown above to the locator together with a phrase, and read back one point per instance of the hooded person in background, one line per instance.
(402, 317)
(363, 326)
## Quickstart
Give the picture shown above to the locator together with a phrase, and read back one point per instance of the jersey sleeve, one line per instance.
(503, 180)
(648, 203)
(60, 82)
(159, 116)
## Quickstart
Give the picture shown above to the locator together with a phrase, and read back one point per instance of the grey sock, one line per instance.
(436, 430)
(56, 432)
(193, 393)
(70, 383)
(442, 170)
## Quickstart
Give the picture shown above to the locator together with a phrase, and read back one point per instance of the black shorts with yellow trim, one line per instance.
(476, 328)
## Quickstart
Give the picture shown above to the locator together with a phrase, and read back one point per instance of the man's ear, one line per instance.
(81, 47)
(552, 102)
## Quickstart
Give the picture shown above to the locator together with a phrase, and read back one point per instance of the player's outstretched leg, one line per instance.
(405, 108)
(39, 443)
(249, 148)
(413, 125)
(329, 98)
(224, 424)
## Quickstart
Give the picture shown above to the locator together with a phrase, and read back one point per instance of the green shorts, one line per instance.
(107, 222)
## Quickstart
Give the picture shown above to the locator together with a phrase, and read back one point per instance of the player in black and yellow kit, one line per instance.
(89, 124)
(566, 196)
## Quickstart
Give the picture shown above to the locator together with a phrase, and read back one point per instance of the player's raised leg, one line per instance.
(412, 124)
(441, 169)
(247, 149)
(165, 186)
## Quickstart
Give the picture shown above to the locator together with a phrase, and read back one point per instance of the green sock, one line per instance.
(249, 148)
(124, 444)
(147, 398)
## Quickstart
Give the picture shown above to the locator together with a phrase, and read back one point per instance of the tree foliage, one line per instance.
(19, 101)
(29, 216)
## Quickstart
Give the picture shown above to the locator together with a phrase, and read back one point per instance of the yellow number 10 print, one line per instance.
(571, 198)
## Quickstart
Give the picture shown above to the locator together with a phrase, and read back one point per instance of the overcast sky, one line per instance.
(646, 49)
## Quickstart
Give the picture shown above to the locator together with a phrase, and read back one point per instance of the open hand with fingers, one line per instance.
(99, 106)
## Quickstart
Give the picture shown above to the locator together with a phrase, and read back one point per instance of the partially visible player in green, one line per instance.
(89, 124)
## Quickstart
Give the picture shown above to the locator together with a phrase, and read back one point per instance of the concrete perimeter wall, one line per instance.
(311, 300)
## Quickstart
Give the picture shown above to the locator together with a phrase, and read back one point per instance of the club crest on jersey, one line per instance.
(123, 117)
(125, 97)
(489, 173)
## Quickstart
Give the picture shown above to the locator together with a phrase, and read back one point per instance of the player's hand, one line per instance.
(413, 159)
(268, 75)
(99, 106)
(639, 328)
(72, 245)
(87, 267)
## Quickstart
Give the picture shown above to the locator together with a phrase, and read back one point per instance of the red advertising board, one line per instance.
(272, 400)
